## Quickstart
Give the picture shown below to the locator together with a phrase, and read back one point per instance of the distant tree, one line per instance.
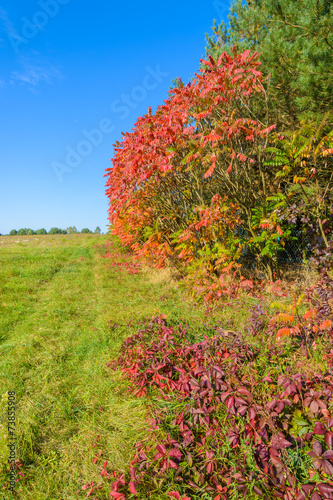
(71, 230)
(41, 231)
(56, 230)
(85, 230)
(13, 232)
(97, 230)
(30, 232)
(22, 232)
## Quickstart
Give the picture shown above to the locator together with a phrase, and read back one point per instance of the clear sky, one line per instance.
(73, 75)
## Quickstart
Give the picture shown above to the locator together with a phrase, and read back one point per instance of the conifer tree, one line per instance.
(295, 39)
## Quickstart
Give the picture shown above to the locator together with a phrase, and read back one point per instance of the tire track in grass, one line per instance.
(57, 366)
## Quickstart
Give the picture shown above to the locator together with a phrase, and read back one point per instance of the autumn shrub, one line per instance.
(185, 177)
(230, 419)
(200, 181)
(234, 414)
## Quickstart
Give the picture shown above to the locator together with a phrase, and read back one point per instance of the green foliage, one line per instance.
(85, 230)
(41, 231)
(295, 40)
(56, 230)
(13, 232)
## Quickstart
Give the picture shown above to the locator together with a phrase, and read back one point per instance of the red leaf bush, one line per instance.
(188, 175)
(238, 421)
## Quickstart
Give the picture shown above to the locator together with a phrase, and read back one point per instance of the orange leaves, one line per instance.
(192, 157)
(264, 224)
(324, 325)
(311, 313)
(287, 332)
(283, 332)
(241, 157)
(228, 267)
(299, 180)
(210, 171)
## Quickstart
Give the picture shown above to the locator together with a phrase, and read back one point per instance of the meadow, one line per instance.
(68, 304)
(63, 316)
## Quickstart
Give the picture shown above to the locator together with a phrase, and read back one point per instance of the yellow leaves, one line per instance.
(282, 318)
(327, 152)
(301, 299)
(278, 305)
(299, 180)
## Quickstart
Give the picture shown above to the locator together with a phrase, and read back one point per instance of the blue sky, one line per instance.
(73, 76)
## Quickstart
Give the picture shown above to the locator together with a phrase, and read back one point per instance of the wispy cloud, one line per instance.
(6, 25)
(35, 70)
(32, 69)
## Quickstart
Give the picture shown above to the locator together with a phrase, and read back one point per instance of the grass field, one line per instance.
(64, 312)
(67, 302)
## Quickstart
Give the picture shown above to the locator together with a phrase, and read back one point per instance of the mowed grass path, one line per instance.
(63, 316)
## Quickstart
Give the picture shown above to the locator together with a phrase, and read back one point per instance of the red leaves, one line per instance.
(214, 388)
(279, 442)
(322, 459)
(326, 490)
(167, 142)
(319, 429)
(267, 130)
(117, 495)
(176, 495)
(132, 488)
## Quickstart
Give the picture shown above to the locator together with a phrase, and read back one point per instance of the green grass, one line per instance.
(63, 317)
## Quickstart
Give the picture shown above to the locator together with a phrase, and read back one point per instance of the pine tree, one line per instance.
(295, 39)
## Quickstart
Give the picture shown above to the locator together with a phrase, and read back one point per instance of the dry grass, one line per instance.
(158, 276)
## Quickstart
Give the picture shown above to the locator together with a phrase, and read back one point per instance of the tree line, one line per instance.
(53, 230)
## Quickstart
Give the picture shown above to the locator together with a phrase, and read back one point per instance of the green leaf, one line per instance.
(273, 150)
(184, 160)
